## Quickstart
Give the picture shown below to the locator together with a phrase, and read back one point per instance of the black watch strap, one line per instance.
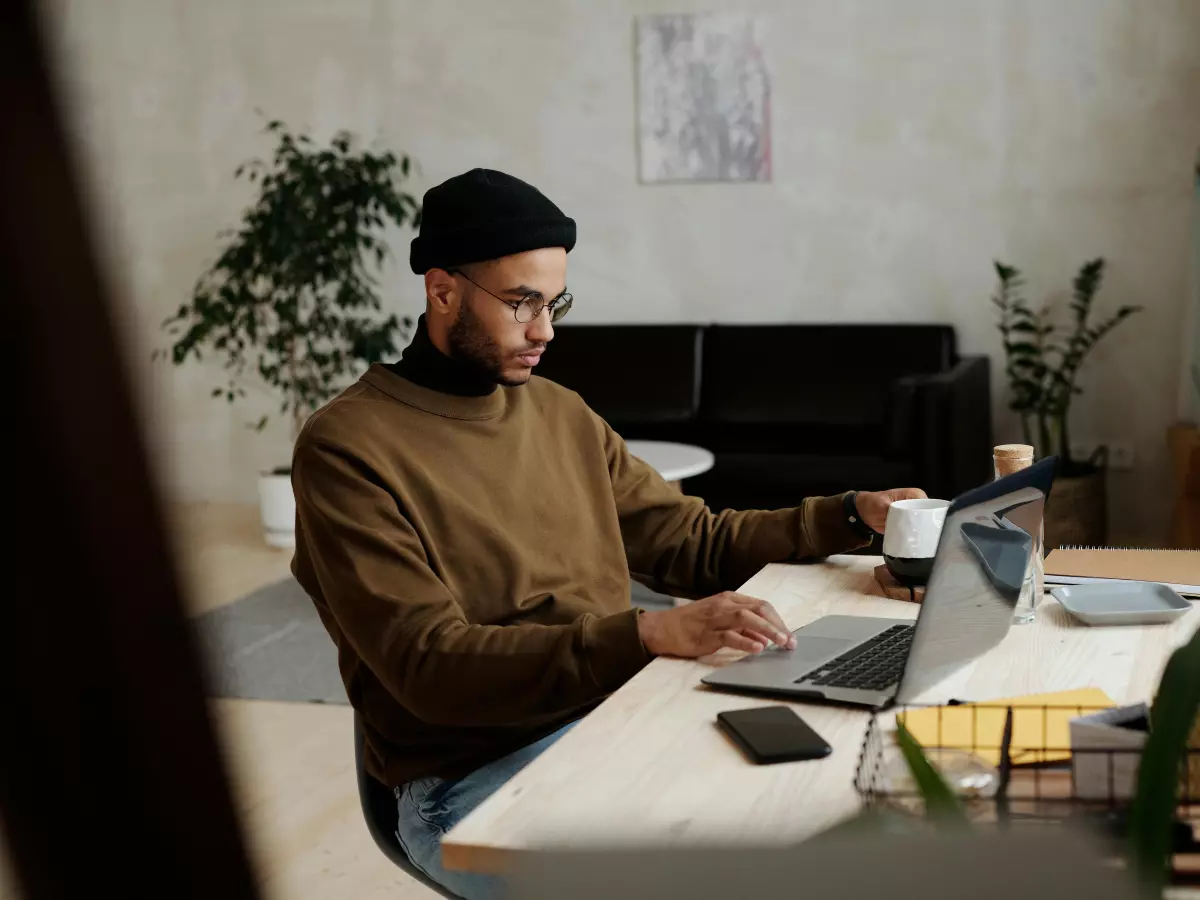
(857, 525)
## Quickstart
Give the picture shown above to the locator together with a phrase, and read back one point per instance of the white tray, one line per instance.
(1121, 603)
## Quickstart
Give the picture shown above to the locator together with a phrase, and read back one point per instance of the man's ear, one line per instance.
(441, 291)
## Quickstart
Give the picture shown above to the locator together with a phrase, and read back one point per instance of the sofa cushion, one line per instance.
(789, 438)
(821, 375)
(751, 480)
(629, 373)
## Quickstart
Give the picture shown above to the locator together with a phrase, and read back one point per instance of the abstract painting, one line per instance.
(703, 99)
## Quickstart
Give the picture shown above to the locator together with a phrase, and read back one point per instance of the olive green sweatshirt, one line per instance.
(470, 557)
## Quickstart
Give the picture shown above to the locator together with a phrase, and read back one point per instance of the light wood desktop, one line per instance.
(649, 767)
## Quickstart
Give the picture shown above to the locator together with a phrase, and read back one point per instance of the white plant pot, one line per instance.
(277, 505)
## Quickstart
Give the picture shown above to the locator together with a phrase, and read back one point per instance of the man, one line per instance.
(467, 530)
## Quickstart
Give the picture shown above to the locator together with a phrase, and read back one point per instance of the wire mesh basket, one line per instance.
(1024, 765)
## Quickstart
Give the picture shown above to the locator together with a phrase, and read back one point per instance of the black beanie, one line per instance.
(484, 214)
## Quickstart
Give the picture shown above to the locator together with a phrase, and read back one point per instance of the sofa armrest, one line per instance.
(948, 430)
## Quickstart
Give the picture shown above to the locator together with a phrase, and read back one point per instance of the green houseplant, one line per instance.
(292, 301)
(1043, 360)
(1169, 770)
(1166, 762)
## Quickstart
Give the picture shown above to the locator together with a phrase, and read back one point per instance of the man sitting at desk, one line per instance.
(467, 531)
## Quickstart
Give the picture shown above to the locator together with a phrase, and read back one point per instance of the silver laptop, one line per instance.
(984, 556)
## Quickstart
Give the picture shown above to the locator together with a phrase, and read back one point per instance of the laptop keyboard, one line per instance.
(871, 666)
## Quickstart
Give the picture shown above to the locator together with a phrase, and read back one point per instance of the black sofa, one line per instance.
(790, 411)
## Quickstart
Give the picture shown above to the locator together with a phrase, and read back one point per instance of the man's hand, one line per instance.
(873, 506)
(705, 626)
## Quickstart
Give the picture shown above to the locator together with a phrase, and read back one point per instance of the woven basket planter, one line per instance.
(1077, 513)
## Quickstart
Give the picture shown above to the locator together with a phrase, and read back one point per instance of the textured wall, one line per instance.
(912, 143)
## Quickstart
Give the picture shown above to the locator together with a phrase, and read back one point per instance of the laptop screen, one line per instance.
(984, 557)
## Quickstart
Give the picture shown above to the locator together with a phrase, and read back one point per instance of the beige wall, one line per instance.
(912, 143)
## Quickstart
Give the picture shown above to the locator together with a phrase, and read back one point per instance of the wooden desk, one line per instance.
(650, 768)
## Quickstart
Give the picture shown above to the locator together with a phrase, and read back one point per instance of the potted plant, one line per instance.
(1042, 365)
(1168, 775)
(292, 302)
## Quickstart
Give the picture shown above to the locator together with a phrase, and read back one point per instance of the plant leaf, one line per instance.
(1152, 812)
(941, 805)
(1004, 272)
(1021, 347)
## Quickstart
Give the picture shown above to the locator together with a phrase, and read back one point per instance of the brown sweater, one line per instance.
(470, 557)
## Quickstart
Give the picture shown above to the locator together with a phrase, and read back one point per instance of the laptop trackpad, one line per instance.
(812, 651)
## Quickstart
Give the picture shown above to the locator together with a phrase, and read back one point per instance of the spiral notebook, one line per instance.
(1177, 569)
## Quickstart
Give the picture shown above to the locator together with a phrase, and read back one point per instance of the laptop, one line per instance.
(983, 557)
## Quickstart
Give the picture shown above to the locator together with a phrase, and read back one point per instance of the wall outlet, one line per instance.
(1120, 453)
(1120, 456)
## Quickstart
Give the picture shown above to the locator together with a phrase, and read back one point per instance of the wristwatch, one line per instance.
(857, 525)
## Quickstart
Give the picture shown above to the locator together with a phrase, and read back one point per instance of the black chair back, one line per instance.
(380, 810)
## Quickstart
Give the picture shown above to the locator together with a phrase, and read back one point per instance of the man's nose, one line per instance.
(540, 330)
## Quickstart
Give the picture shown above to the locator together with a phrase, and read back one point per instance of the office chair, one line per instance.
(379, 809)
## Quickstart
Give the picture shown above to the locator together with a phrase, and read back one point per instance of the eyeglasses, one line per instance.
(530, 306)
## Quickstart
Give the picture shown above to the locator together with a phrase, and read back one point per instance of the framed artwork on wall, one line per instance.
(703, 99)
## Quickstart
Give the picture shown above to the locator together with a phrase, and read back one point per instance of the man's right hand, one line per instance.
(705, 626)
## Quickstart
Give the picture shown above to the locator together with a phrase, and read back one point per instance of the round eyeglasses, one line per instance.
(531, 305)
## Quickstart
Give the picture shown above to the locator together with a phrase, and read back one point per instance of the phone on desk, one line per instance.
(773, 734)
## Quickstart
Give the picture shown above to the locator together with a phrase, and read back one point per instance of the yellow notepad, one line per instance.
(1039, 735)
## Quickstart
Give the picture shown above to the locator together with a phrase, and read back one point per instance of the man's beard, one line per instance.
(470, 343)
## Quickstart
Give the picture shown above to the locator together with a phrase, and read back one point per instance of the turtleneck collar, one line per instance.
(425, 365)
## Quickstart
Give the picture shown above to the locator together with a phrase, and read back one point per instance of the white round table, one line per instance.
(674, 462)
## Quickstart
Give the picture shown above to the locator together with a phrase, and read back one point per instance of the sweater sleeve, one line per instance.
(409, 629)
(676, 539)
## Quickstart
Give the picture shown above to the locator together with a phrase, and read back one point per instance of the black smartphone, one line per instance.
(773, 734)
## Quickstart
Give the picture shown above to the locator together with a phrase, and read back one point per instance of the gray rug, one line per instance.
(271, 645)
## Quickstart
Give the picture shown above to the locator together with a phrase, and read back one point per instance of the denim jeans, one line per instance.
(429, 807)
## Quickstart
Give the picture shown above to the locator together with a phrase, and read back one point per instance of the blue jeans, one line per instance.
(429, 807)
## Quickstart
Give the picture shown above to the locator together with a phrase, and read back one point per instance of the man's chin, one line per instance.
(515, 377)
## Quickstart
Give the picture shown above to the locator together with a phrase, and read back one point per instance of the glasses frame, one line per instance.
(534, 300)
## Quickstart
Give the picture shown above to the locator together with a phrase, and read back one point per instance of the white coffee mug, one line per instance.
(910, 538)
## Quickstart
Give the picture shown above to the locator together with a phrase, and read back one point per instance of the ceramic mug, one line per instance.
(910, 539)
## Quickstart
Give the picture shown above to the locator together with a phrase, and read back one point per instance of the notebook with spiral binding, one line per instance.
(1178, 569)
